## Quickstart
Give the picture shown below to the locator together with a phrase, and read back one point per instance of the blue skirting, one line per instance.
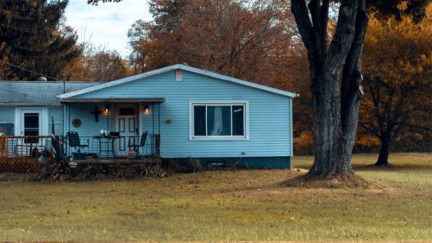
(265, 162)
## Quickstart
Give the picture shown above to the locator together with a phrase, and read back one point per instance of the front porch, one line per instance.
(107, 130)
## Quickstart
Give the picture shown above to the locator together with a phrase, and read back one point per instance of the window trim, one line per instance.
(192, 103)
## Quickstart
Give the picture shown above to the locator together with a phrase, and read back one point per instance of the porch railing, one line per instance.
(120, 146)
(25, 153)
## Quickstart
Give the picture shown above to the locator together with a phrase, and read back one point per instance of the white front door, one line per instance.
(127, 125)
(30, 125)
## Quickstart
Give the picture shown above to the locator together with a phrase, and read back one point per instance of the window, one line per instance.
(126, 111)
(7, 129)
(219, 120)
(31, 126)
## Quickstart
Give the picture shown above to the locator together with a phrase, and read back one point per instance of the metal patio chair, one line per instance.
(135, 147)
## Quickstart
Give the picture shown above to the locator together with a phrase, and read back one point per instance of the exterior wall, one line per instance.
(57, 114)
(269, 115)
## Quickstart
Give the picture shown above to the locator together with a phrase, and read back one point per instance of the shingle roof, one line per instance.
(36, 93)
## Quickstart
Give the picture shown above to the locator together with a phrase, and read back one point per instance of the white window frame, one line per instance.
(192, 103)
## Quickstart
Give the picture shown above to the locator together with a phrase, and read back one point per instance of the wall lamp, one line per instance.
(146, 109)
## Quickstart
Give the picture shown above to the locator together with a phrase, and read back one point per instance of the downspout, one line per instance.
(64, 83)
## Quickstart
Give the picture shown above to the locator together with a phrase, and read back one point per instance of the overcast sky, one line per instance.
(108, 23)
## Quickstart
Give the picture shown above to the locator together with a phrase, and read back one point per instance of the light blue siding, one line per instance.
(57, 114)
(269, 115)
(7, 115)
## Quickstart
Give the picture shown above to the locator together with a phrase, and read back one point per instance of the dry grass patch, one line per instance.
(218, 206)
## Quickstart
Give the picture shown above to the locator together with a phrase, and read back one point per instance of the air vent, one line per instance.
(178, 75)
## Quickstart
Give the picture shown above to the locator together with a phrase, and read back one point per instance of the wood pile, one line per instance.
(62, 171)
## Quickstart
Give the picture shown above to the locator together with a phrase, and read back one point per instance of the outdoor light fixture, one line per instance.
(146, 109)
(106, 109)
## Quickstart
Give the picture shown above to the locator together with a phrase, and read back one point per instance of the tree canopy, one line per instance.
(36, 37)
(242, 39)
(397, 69)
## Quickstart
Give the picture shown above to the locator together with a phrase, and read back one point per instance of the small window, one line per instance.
(7, 129)
(179, 75)
(213, 121)
(127, 111)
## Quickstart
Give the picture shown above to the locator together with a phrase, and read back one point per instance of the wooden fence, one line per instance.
(26, 154)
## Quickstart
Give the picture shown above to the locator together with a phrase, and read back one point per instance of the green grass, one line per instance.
(396, 204)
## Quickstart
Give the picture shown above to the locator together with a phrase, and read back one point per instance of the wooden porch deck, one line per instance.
(119, 160)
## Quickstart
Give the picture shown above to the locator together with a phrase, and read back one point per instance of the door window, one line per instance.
(31, 126)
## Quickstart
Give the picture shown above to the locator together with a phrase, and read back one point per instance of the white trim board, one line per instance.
(178, 67)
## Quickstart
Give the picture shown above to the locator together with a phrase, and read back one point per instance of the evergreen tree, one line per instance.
(31, 30)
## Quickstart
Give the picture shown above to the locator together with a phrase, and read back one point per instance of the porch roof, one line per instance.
(115, 100)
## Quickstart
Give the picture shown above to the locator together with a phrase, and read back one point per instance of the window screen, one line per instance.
(31, 126)
(238, 124)
(199, 120)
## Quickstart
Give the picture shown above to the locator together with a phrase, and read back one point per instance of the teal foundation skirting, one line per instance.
(265, 162)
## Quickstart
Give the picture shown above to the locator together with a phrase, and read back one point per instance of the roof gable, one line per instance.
(177, 67)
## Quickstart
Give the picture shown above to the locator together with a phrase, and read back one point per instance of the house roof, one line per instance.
(36, 93)
(172, 68)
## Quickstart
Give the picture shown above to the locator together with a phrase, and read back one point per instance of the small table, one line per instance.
(106, 140)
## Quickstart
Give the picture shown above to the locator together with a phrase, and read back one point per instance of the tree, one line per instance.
(242, 39)
(96, 64)
(336, 98)
(34, 35)
(5, 69)
(397, 68)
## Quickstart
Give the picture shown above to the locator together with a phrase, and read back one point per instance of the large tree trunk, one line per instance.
(352, 91)
(335, 109)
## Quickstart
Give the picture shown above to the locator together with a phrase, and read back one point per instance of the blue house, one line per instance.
(187, 112)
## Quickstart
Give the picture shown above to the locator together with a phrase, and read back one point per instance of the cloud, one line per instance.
(108, 23)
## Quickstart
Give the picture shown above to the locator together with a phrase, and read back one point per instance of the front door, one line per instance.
(31, 125)
(127, 125)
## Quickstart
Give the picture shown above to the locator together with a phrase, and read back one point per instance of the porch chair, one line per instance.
(142, 143)
(74, 141)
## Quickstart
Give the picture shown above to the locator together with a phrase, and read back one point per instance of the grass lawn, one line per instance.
(227, 205)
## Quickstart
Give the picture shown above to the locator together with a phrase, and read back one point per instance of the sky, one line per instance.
(107, 24)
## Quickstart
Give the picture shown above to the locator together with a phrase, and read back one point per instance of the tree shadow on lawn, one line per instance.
(388, 167)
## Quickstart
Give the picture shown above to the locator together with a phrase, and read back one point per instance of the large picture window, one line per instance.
(219, 120)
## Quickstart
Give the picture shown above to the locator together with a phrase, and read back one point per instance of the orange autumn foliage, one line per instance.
(397, 69)
(243, 39)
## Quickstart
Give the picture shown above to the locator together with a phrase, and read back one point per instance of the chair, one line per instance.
(74, 141)
(142, 143)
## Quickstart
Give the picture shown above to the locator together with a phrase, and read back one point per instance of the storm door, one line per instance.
(30, 128)
(127, 124)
